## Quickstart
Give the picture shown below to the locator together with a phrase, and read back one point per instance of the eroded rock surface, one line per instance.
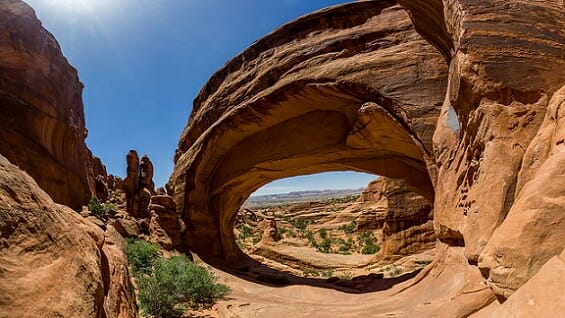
(165, 227)
(53, 262)
(363, 91)
(138, 185)
(353, 87)
(41, 112)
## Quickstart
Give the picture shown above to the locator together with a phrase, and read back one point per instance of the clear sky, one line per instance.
(143, 61)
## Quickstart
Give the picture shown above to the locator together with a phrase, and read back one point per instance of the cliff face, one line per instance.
(496, 155)
(363, 91)
(41, 112)
(404, 217)
(53, 262)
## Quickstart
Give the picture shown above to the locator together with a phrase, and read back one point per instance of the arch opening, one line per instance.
(372, 235)
(275, 112)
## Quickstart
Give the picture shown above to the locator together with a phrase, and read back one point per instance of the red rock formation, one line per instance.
(354, 87)
(42, 117)
(138, 185)
(404, 217)
(269, 231)
(351, 87)
(100, 179)
(489, 147)
(165, 226)
(119, 299)
(54, 263)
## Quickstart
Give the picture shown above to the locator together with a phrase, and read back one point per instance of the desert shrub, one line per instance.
(370, 249)
(423, 263)
(323, 233)
(393, 270)
(257, 238)
(141, 255)
(286, 232)
(101, 210)
(240, 243)
(348, 228)
(176, 281)
(300, 224)
(369, 242)
(245, 231)
(325, 246)
(310, 272)
(345, 246)
(310, 237)
(346, 275)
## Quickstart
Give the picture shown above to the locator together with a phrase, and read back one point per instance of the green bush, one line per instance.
(283, 232)
(176, 281)
(325, 246)
(101, 210)
(141, 255)
(370, 249)
(345, 246)
(257, 238)
(310, 237)
(348, 228)
(300, 224)
(245, 231)
(323, 233)
(369, 243)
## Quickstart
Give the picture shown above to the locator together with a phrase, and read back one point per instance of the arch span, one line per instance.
(357, 94)
(363, 70)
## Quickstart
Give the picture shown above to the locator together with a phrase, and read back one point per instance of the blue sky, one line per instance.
(143, 61)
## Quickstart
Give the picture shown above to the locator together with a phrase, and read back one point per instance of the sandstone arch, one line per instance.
(491, 153)
(342, 93)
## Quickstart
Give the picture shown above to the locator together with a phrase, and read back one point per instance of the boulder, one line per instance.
(165, 226)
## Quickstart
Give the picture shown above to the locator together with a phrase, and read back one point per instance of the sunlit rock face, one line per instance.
(460, 98)
(54, 262)
(498, 177)
(352, 87)
(41, 109)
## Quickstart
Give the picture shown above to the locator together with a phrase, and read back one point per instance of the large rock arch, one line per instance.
(459, 115)
(339, 93)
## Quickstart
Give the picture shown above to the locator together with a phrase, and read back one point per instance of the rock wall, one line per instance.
(489, 146)
(53, 262)
(404, 217)
(41, 111)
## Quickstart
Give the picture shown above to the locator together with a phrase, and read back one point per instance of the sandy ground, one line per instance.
(423, 295)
